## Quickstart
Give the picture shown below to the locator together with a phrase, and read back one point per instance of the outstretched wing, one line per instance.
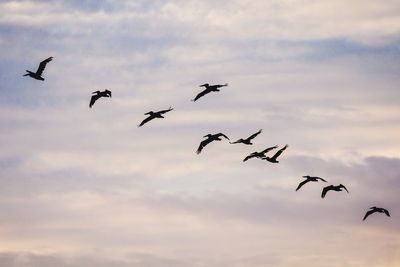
(325, 190)
(93, 99)
(237, 141)
(302, 183)
(368, 213)
(149, 118)
(202, 93)
(254, 135)
(277, 154)
(165, 110)
(319, 178)
(42, 65)
(252, 155)
(203, 144)
(268, 149)
(220, 85)
(221, 134)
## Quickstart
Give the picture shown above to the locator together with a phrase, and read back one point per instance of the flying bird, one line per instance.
(277, 154)
(334, 188)
(209, 89)
(260, 154)
(97, 95)
(310, 179)
(38, 74)
(376, 209)
(153, 115)
(210, 138)
(247, 141)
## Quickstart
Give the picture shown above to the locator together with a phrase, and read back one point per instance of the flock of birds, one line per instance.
(217, 137)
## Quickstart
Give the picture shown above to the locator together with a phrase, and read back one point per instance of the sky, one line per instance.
(86, 187)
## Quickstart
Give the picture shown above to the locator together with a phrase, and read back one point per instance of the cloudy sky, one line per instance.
(86, 187)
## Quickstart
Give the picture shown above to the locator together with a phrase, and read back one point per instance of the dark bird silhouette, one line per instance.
(277, 154)
(247, 141)
(210, 138)
(209, 89)
(376, 209)
(38, 74)
(260, 154)
(153, 115)
(310, 179)
(98, 94)
(334, 188)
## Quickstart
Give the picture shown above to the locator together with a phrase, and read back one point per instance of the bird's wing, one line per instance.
(165, 110)
(252, 155)
(42, 65)
(302, 183)
(254, 135)
(108, 92)
(236, 142)
(149, 118)
(277, 154)
(325, 190)
(93, 99)
(386, 212)
(319, 178)
(221, 134)
(202, 93)
(203, 144)
(220, 85)
(268, 149)
(368, 213)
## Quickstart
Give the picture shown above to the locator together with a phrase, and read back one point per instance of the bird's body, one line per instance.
(247, 141)
(97, 94)
(337, 188)
(376, 209)
(153, 115)
(38, 74)
(260, 154)
(209, 89)
(310, 179)
(210, 138)
(274, 158)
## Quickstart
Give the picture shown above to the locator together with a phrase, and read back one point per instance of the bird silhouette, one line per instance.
(310, 179)
(209, 89)
(376, 209)
(247, 141)
(260, 154)
(273, 159)
(38, 74)
(97, 95)
(210, 138)
(153, 115)
(334, 188)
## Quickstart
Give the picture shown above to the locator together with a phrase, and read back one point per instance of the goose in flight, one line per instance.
(38, 74)
(376, 209)
(310, 179)
(260, 154)
(334, 188)
(277, 154)
(153, 115)
(97, 94)
(210, 138)
(209, 89)
(247, 141)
